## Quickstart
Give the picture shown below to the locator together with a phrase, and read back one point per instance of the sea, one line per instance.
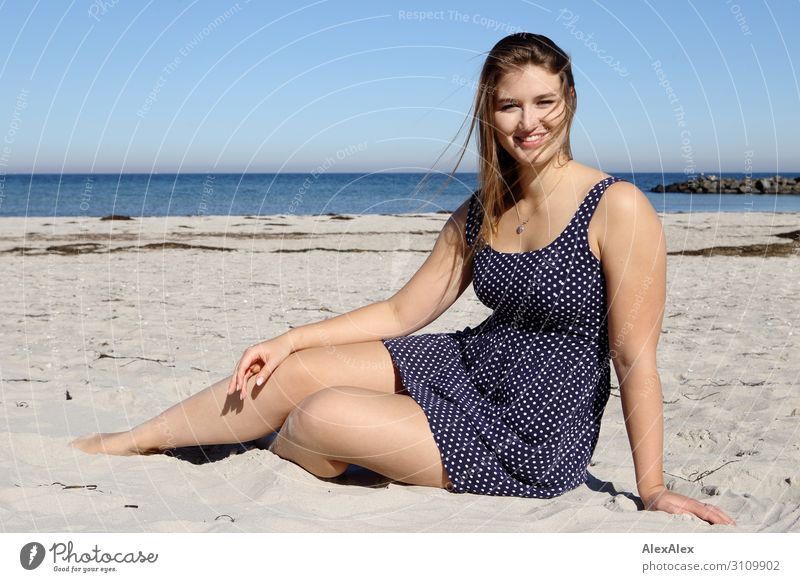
(252, 194)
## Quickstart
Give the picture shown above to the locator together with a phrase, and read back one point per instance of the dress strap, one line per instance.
(593, 198)
(474, 216)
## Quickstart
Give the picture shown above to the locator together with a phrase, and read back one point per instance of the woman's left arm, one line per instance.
(634, 259)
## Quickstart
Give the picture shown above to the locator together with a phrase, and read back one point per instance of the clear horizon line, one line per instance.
(230, 173)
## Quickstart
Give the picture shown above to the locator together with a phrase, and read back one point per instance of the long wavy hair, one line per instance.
(497, 173)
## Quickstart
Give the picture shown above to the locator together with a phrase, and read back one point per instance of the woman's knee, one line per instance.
(314, 417)
(305, 438)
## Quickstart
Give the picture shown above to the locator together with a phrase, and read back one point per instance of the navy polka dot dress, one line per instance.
(515, 403)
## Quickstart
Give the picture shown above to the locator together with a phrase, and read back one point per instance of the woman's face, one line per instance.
(527, 105)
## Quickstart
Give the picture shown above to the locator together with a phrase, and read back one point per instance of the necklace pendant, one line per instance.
(520, 228)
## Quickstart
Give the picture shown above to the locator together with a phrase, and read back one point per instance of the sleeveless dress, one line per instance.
(515, 403)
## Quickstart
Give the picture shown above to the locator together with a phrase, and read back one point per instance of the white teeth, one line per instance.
(535, 136)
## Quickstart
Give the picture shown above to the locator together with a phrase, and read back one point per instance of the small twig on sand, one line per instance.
(156, 360)
(705, 474)
(699, 397)
(89, 487)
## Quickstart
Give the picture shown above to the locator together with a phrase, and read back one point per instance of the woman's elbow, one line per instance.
(639, 364)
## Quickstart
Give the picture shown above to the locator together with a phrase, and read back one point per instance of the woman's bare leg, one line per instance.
(386, 433)
(211, 416)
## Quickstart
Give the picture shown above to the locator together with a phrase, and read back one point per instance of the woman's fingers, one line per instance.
(259, 360)
(679, 504)
(241, 368)
(714, 514)
(253, 369)
(237, 372)
(233, 385)
(264, 372)
(243, 377)
(253, 363)
(710, 513)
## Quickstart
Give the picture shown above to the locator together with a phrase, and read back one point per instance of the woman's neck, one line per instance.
(536, 183)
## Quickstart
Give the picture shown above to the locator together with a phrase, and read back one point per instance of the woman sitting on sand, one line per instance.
(513, 405)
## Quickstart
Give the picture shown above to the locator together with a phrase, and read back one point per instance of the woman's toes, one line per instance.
(117, 443)
(85, 443)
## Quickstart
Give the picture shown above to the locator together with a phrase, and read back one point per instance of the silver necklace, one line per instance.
(521, 225)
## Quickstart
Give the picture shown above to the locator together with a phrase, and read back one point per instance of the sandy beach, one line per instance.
(106, 323)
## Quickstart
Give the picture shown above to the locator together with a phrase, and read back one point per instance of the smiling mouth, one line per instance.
(532, 139)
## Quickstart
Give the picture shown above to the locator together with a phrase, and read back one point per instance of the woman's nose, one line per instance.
(530, 119)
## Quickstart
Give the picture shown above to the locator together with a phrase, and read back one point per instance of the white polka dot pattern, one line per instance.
(515, 403)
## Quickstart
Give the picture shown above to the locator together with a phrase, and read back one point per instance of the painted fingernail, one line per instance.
(259, 381)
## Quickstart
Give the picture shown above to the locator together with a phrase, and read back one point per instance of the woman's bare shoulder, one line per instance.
(623, 209)
(623, 201)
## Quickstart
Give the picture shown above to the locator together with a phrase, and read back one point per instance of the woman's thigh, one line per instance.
(386, 433)
(304, 372)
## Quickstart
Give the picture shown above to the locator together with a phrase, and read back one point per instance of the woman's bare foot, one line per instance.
(110, 443)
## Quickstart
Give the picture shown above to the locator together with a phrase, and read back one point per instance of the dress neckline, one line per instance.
(563, 232)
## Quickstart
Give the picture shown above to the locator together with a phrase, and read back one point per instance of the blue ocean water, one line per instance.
(287, 194)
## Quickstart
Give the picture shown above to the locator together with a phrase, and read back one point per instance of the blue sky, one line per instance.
(109, 86)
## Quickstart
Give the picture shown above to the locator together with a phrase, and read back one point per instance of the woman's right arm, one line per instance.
(435, 286)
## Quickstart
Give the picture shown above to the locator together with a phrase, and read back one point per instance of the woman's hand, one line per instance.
(261, 359)
(665, 500)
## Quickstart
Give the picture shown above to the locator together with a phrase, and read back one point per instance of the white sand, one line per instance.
(177, 320)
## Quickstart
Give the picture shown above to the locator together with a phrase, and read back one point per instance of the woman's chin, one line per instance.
(537, 157)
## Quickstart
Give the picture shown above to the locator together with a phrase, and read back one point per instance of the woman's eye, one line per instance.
(504, 107)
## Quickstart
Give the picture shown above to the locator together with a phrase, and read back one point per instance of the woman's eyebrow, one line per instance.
(504, 99)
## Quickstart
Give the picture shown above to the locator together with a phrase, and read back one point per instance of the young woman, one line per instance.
(573, 263)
